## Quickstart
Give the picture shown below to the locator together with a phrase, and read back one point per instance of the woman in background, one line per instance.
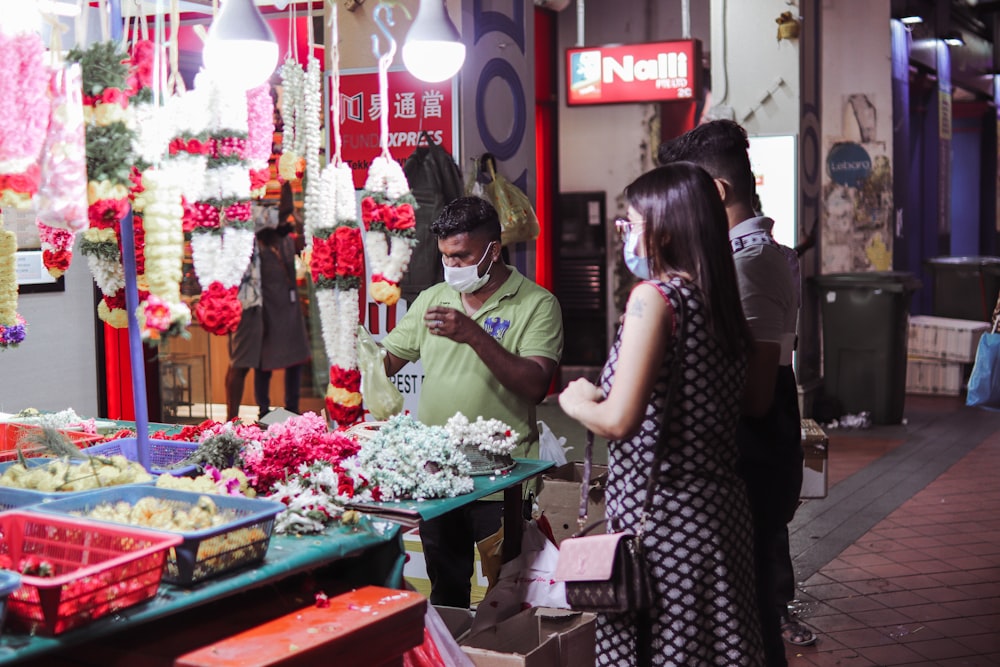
(272, 331)
(697, 539)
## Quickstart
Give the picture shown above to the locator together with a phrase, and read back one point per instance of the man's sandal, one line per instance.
(796, 633)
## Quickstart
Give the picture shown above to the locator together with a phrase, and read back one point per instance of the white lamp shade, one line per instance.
(240, 50)
(433, 50)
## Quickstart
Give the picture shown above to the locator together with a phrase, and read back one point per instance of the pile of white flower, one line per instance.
(408, 460)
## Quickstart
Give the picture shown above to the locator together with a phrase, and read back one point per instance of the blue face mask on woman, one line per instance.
(639, 266)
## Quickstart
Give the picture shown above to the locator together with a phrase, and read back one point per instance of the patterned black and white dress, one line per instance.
(699, 547)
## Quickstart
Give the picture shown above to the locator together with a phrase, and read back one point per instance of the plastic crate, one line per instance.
(14, 498)
(99, 568)
(9, 582)
(45, 496)
(12, 433)
(241, 540)
(162, 453)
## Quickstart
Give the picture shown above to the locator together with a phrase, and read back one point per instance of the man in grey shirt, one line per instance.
(769, 434)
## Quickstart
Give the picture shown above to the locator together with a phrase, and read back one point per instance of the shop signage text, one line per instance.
(656, 72)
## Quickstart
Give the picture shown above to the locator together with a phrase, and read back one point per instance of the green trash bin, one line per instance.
(865, 325)
(965, 288)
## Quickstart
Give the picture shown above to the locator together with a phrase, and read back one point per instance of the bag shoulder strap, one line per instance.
(664, 435)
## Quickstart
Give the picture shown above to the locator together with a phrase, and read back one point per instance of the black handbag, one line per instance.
(607, 573)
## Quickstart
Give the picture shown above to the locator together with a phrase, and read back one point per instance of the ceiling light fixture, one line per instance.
(433, 50)
(912, 20)
(240, 49)
(953, 39)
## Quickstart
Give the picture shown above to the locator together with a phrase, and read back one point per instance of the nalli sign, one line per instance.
(657, 72)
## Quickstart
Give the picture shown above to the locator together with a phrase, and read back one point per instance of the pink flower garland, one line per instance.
(260, 136)
(24, 108)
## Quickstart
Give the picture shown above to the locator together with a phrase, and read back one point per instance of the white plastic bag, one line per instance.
(551, 448)
(524, 582)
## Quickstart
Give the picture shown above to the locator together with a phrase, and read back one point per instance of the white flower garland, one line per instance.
(388, 253)
(293, 81)
(312, 101)
(164, 237)
(223, 256)
(489, 435)
(407, 459)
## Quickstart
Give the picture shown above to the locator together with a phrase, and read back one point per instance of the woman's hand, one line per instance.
(577, 395)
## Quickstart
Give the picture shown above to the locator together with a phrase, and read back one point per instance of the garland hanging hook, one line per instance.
(383, 19)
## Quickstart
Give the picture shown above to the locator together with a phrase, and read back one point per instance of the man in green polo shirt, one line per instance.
(490, 341)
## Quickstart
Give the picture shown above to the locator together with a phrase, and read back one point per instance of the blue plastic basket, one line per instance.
(15, 498)
(162, 453)
(241, 540)
(31, 496)
(9, 582)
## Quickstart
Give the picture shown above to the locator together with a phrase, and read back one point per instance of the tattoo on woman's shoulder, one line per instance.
(636, 308)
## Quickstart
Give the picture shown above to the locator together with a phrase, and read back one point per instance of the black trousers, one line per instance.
(771, 467)
(449, 543)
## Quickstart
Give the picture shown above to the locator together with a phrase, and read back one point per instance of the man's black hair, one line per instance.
(472, 215)
(720, 148)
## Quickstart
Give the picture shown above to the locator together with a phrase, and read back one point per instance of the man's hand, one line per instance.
(451, 323)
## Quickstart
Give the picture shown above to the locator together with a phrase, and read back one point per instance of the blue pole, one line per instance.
(132, 304)
(135, 341)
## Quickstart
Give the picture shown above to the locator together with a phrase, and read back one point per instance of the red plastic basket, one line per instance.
(12, 433)
(98, 569)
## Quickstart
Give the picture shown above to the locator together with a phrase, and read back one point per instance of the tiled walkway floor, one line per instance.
(921, 586)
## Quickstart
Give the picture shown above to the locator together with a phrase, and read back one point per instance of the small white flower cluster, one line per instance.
(337, 202)
(109, 275)
(385, 175)
(153, 131)
(221, 256)
(409, 460)
(312, 498)
(293, 81)
(309, 127)
(339, 311)
(488, 435)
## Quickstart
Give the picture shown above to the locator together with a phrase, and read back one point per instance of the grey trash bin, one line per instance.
(965, 288)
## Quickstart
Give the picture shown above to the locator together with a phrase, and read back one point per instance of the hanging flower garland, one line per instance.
(156, 203)
(260, 135)
(387, 206)
(62, 193)
(292, 164)
(24, 109)
(337, 267)
(387, 211)
(163, 314)
(187, 152)
(221, 252)
(109, 163)
(309, 129)
(11, 324)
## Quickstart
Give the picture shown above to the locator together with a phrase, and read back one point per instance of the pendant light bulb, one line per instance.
(433, 50)
(240, 50)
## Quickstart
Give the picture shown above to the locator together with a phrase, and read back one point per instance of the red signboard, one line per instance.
(415, 106)
(658, 72)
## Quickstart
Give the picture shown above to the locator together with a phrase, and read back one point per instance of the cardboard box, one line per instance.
(559, 497)
(934, 377)
(815, 446)
(456, 619)
(536, 637)
(944, 339)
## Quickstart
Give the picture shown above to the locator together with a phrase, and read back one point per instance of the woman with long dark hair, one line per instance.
(697, 537)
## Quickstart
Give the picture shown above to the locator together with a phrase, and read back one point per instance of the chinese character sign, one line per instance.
(414, 107)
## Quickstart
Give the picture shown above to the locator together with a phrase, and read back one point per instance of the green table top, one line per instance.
(286, 556)
(411, 512)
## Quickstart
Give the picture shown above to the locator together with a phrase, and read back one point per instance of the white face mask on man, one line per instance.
(466, 279)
